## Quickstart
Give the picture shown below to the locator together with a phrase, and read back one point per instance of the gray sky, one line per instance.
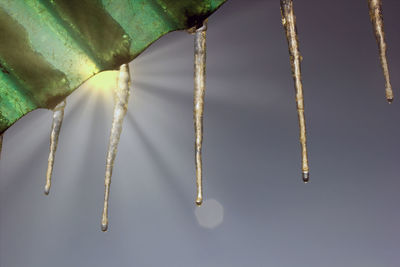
(258, 212)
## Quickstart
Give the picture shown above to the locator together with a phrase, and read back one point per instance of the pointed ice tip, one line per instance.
(104, 227)
(390, 100)
(306, 177)
(199, 201)
(46, 190)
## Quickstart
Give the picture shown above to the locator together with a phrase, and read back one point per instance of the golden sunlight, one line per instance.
(104, 82)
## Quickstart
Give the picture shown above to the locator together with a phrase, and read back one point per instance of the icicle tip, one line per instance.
(389, 94)
(104, 227)
(46, 190)
(306, 177)
(199, 201)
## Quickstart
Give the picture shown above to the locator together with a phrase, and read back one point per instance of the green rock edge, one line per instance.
(109, 32)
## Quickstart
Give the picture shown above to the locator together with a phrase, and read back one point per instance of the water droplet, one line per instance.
(306, 177)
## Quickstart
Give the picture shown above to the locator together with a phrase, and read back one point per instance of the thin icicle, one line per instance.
(198, 102)
(58, 115)
(375, 12)
(121, 97)
(1, 143)
(289, 23)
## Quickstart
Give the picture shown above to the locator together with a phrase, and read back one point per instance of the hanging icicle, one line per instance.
(121, 96)
(58, 115)
(289, 23)
(1, 143)
(375, 13)
(198, 102)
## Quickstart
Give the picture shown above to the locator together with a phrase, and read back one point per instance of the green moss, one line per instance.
(49, 47)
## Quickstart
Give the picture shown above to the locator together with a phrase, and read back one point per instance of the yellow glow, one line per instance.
(104, 82)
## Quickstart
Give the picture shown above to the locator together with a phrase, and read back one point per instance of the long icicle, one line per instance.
(198, 102)
(289, 23)
(58, 115)
(121, 97)
(1, 143)
(375, 13)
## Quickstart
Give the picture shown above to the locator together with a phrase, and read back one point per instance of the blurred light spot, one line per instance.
(104, 82)
(210, 214)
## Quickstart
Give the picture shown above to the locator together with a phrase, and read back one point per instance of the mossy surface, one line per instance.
(49, 47)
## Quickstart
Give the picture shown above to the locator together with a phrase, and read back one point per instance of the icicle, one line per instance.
(375, 12)
(58, 115)
(121, 97)
(289, 23)
(198, 102)
(1, 143)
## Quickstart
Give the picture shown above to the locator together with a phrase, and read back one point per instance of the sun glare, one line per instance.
(104, 82)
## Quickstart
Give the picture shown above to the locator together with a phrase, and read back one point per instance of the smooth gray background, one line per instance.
(348, 215)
